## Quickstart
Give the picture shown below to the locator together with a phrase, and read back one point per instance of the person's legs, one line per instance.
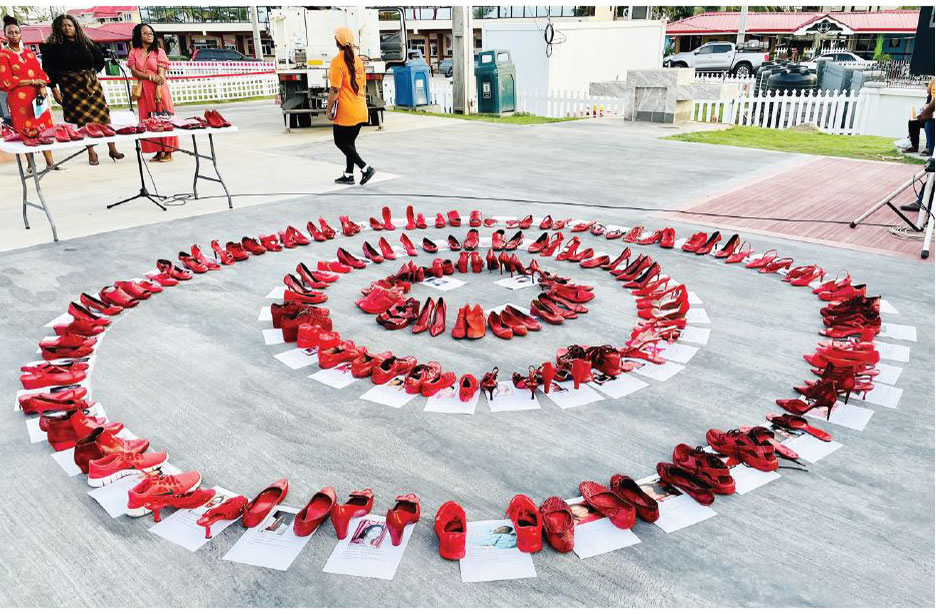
(48, 158)
(928, 130)
(913, 133)
(367, 171)
(341, 134)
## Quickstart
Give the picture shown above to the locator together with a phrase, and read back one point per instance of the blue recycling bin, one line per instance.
(411, 81)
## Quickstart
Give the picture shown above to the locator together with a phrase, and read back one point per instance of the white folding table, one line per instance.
(19, 149)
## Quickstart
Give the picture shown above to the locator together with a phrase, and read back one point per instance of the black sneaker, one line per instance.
(367, 175)
(345, 179)
(910, 207)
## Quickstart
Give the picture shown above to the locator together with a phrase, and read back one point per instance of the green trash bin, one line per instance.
(496, 77)
(111, 68)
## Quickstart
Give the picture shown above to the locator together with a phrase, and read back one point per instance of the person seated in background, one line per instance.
(920, 122)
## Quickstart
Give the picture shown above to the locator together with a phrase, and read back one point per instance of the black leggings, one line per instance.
(344, 139)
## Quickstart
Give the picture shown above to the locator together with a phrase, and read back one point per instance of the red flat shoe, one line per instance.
(237, 251)
(542, 311)
(475, 219)
(441, 381)
(134, 290)
(229, 509)
(795, 423)
(698, 489)
(527, 522)
(391, 368)
(646, 507)
(270, 243)
(405, 511)
(516, 315)
(358, 504)
(333, 267)
(454, 218)
(113, 295)
(65, 399)
(52, 377)
(451, 526)
(440, 221)
(261, 505)
(467, 387)
(363, 366)
(315, 512)
(708, 467)
(618, 510)
(497, 326)
(558, 524)
(253, 246)
(429, 247)
(98, 305)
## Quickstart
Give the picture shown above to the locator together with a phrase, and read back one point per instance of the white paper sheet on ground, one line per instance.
(338, 377)
(696, 335)
(392, 395)
(447, 402)
(596, 535)
(508, 397)
(811, 449)
(892, 351)
(901, 332)
(748, 478)
(677, 509)
(66, 460)
(888, 307)
(367, 551)
(678, 352)
(680, 242)
(567, 397)
(697, 315)
(485, 242)
(113, 497)
(298, 358)
(660, 373)
(889, 374)
(884, 395)
(266, 314)
(693, 298)
(273, 336)
(65, 318)
(850, 416)
(492, 554)
(270, 544)
(517, 282)
(277, 293)
(181, 528)
(443, 284)
(621, 386)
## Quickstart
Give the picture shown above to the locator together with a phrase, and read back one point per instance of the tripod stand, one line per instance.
(153, 197)
(924, 221)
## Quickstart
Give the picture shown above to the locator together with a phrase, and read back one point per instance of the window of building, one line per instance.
(418, 43)
(448, 45)
(434, 49)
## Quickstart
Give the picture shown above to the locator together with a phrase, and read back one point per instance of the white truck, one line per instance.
(721, 56)
(304, 43)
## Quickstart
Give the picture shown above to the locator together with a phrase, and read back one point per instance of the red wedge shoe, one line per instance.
(405, 511)
(315, 512)
(358, 504)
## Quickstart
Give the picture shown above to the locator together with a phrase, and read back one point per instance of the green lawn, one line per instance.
(802, 141)
(517, 118)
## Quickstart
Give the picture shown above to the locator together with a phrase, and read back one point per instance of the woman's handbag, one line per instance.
(137, 92)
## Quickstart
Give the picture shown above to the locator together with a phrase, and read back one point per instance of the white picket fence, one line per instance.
(833, 112)
(194, 82)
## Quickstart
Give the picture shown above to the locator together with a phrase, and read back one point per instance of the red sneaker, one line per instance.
(100, 443)
(112, 467)
(152, 494)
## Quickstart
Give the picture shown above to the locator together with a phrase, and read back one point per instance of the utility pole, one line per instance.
(255, 22)
(742, 26)
(463, 61)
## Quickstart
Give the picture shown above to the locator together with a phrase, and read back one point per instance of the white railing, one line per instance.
(564, 103)
(833, 112)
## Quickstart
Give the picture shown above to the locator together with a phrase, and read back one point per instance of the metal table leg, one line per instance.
(214, 163)
(19, 166)
(42, 204)
(197, 167)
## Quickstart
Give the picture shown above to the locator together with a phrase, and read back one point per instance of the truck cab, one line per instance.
(305, 44)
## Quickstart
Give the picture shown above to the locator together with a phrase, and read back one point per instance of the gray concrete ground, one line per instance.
(189, 371)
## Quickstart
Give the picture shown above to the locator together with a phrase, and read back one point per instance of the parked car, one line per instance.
(446, 68)
(841, 57)
(720, 56)
(221, 55)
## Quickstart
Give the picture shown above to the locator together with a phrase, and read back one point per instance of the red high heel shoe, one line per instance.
(371, 254)
(358, 504)
(261, 505)
(474, 219)
(408, 245)
(729, 247)
(347, 259)
(387, 221)
(527, 522)
(405, 511)
(488, 383)
(440, 221)
(548, 374)
(558, 524)
(410, 218)
(229, 509)
(477, 263)
(425, 317)
(437, 327)
(315, 233)
(348, 228)
(759, 263)
(553, 245)
(775, 265)
(707, 247)
(315, 512)
(745, 448)
(531, 382)
(451, 526)
(741, 253)
(98, 305)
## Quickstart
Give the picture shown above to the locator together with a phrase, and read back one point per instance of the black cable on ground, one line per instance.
(184, 197)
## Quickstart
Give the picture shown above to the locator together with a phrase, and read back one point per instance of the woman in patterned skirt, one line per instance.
(23, 80)
(149, 63)
(72, 62)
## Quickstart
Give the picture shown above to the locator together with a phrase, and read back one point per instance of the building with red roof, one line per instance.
(863, 32)
(98, 15)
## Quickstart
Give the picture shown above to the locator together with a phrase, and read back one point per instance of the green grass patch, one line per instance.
(516, 118)
(800, 140)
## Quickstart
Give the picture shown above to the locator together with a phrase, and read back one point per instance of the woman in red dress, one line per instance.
(148, 63)
(22, 78)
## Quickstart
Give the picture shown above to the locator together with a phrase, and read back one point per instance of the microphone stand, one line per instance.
(144, 192)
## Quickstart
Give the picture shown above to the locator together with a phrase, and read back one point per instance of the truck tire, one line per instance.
(743, 69)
